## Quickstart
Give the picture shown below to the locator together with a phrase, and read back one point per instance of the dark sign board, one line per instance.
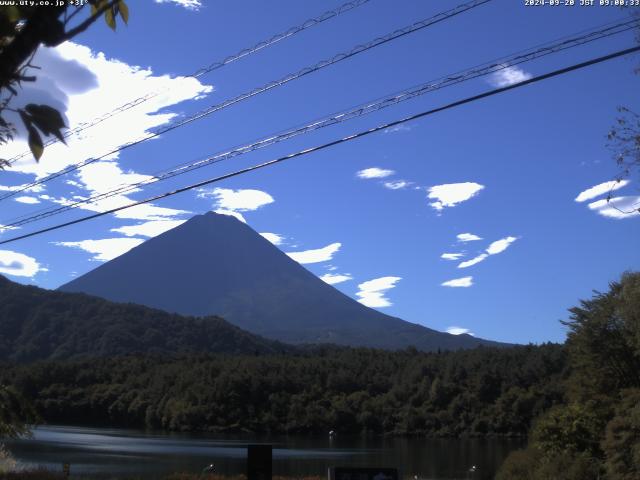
(368, 473)
(259, 460)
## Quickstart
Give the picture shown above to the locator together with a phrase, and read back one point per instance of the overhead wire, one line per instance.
(311, 22)
(417, 26)
(548, 48)
(361, 134)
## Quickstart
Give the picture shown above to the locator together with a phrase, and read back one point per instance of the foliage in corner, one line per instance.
(596, 433)
(23, 28)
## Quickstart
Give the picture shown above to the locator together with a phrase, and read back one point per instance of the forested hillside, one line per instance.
(486, 391)
(38, 324)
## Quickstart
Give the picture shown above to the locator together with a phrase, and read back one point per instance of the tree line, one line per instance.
(481, 392)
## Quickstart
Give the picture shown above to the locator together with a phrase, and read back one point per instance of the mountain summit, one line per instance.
(216, 265)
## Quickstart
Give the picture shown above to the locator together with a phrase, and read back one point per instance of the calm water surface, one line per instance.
(129, 452)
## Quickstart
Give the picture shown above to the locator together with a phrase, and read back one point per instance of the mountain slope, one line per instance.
(38, 324)
(216, 265)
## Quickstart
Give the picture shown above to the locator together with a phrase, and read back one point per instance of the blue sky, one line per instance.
(493, 184)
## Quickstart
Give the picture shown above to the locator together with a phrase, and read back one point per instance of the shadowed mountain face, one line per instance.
(216, 265)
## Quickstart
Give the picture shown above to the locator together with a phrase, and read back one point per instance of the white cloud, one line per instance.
(397, 185)
(333, 278)
(600, 189)
(188, 4)
(374, 172)
(372, 292)
(241, 200)
(231, 213)
(500, 246)
(273, 238)
(458, 282)
(451, 194)
(508, 76)
(473, 261)
(12, 188)
(18, 264)
(105, 249)
(148, 229)
(452, 256)
(29, 200)
(314, 256)
(618, 207)
(467, 237)
(453, 330)
(84, 85)
(494, 248)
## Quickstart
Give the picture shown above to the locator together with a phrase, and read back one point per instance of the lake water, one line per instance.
(116, 452)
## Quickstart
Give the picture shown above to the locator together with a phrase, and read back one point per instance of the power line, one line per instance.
(311, 22)
(589, 36)
(324, 146)
(269, 86)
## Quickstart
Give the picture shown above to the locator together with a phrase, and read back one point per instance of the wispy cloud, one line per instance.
(473, 261)
(451, 256)
(467, 237)
(374, 172)
(619, 208)
(459, 282)
(333, 278)
(18, 264)
(148, 229)
(188, 4)
(453, 330)
(397, 185)
(494, 248)
(601, 189)
(274, 238)
(451, 194)
(372, 292)
(231, 213)
(105, 249)
(508, 76)
(29, 200)
(501, 245)
(315, 256)
(241, 200)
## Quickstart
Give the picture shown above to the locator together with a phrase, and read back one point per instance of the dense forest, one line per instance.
(485, 391)
(39, 324)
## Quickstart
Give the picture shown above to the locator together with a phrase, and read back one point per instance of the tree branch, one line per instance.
(86, 24)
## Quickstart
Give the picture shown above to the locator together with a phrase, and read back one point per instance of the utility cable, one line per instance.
(257, 91)
(311, 22)
(333, 143)
(361, 110)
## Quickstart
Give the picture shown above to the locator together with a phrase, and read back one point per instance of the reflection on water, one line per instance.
(117, 452)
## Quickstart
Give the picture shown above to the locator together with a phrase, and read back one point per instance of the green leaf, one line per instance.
(110, 19)
(124, 11)
(35, 143)
(47, 119)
